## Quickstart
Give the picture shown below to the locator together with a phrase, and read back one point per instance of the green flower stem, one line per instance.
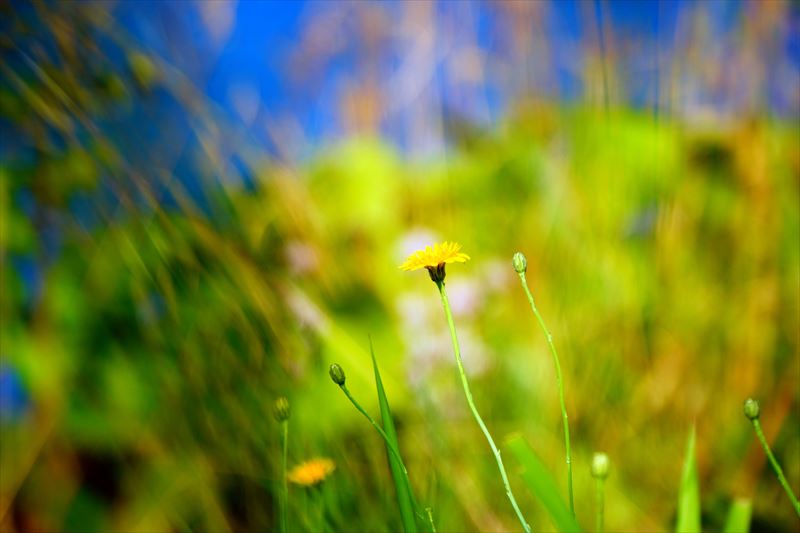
(389, 444)
(775, 465)
(395, 452)
(560, 383)
(318, 504)
(284, 499)
(471, 402)
(599, 504)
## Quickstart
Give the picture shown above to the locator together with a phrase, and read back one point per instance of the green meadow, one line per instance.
(166, 362)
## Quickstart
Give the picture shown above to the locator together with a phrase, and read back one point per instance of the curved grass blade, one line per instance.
(689, 496)
(541, 483)
(739, 516)
(402, 485)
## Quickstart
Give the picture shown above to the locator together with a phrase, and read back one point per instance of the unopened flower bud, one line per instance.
(337, 374)
(600, 465)
(520, 263)
(281, 409)
(751, 409)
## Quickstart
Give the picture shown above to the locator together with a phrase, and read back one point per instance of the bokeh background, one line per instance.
(204, 204)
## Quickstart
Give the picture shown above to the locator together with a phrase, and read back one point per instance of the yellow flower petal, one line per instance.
(311, 472)
(433, 256)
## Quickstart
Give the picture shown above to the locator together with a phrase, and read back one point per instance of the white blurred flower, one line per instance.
(496, 275)
(413, 310)
(302, 257)
(473, 352)
(306, 311)
(465, 296)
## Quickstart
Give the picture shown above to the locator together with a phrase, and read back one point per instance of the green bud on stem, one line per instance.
(600, 465)
(281, 409)
(751, 409)
(337, 374)
(520, 263)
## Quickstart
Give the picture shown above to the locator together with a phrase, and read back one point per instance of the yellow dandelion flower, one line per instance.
(434, 258)
(311, 472)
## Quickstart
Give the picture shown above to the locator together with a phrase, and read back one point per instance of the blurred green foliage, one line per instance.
(154, 341)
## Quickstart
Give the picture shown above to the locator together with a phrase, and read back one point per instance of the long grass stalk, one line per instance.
(465, 384)
(536, 475)
(338, 376)
(520, 265)
(689, 509)
(361, 410)
(405, 495)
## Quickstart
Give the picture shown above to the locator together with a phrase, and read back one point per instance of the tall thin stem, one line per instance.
(388, 441)
(599, 504)
(389, 444)
(560, 382)
(430, 519)
(775, 465)
(284, 500)
(471, 402)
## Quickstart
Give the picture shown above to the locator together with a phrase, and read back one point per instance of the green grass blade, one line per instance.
(689, 496)
(739, 516)
(541, 483)
(402, 485)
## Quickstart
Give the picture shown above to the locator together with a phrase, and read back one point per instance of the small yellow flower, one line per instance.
(311, 472)
(435, 258)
